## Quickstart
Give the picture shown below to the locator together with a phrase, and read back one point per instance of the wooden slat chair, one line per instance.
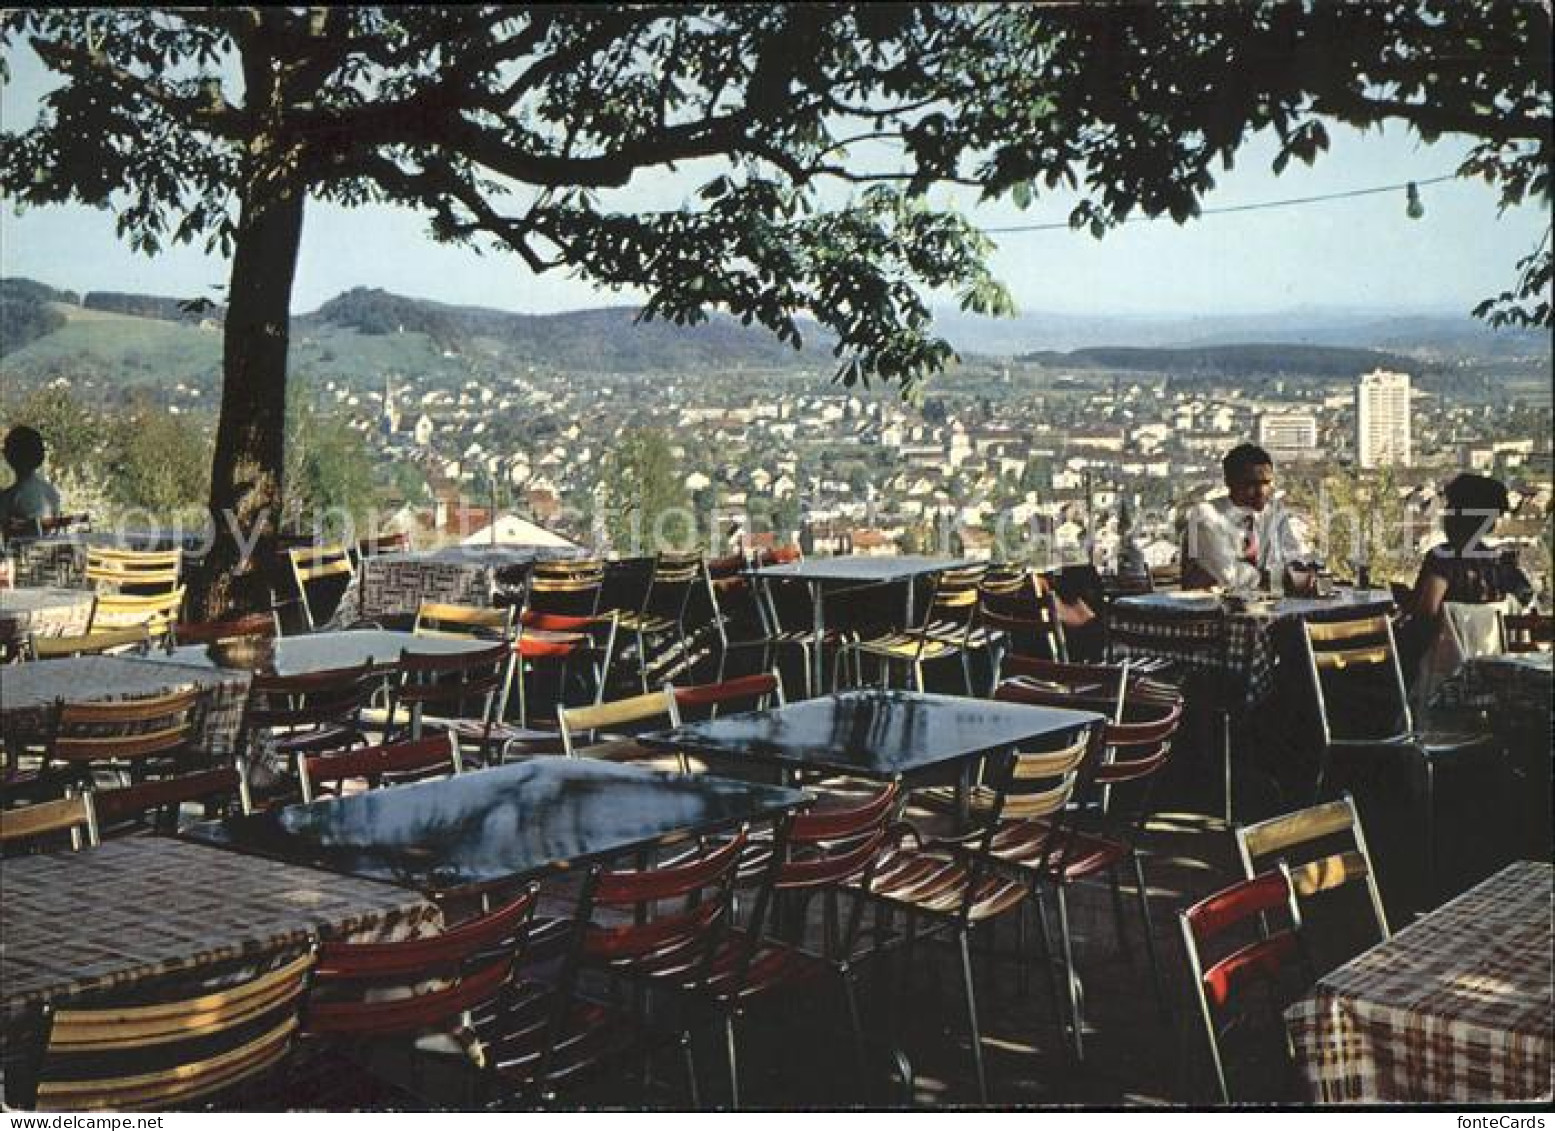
(663, 611)
(250, 626)
(321, 574)
(1363, 710)
(738, 617)
(152, 806)
(558, 642)
(1326, 871)
(582, 727)
(456, 692)
(374, 766)
(946, 632)
(1037, 635)
(1527, 632)
(137, 738)
(294, 715)
(755, 692)
(956, 885)
(790, 618)
(109, 641)
(376, 996)
(147, 1056)
(819, 854)
(73, 814)
(1247, 909)
(397, 543)
(568, 588)
(463, 622)
(144, 572)
(157, 614)
(659, 932)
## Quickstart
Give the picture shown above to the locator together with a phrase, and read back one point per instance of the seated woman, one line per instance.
(1463, 569)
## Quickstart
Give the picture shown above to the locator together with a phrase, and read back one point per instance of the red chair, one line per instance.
(750, 692)
(820, 853)
(558, 641)
(457, 692)
(375, 766)
(254, 626)
(1262, 960)
(293, 715)
(149, 805)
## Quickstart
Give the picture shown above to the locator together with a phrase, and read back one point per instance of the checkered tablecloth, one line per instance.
(43, 612)
(29, 691)
(395, 585)
(1456, 1008)
(1250, 655)
(135, 909)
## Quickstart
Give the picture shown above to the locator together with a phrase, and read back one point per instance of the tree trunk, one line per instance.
(246, 471)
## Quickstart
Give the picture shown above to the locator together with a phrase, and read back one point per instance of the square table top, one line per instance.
(490, 827)
(1454, 1008)
(1265, 607)
(141, 907)
(884, 735)
(90, 679)
(862, 568)
(315, 652)
(29, 599)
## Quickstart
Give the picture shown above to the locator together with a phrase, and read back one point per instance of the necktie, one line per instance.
(1250, 542)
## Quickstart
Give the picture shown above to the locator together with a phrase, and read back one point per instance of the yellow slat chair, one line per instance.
(582, 726)
(1363, 707)
(437, 619)
(1019, 604)
(158, 613)
(73, 814)
(321, 574)
(1318, 870)
(134, 638)
(663, 612)
(145, 573)
(170, 1054)
(944, 634)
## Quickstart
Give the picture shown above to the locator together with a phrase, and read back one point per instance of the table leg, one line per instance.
(817, 662)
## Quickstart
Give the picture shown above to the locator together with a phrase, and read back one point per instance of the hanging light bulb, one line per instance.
(1414, 209)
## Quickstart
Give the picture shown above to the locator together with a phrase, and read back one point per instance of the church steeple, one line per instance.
(391, 413)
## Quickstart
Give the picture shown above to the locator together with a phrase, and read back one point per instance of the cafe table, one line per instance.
(314, 652)
(393, 586)
(43, 611)
(29, 691)
(492, 827)
(1454, 1009)
(139, 908)
(880, 735)
(1252, 627)
(850, 571)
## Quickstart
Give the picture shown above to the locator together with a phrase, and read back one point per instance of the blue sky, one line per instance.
(1361, 253)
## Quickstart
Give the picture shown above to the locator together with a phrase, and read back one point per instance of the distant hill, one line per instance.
(1271, 359)
(27, 312)
(609, 339)
(361, 334)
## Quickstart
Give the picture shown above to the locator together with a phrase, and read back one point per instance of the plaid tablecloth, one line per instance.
(29, 691)
(139, 908)
(394, 585)
(1250, 657)
(1518, 682)
(1455, 1008)
(43, 612)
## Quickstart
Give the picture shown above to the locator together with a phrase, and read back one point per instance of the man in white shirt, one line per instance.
(1246, 538)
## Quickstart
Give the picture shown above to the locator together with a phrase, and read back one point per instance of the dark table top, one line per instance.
(883, 735)
(315, 652)
(859, 568)
(490, 827)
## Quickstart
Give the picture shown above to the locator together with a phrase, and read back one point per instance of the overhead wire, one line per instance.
(1254, 207)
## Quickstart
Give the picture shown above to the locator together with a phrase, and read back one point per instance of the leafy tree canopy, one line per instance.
(510, 126)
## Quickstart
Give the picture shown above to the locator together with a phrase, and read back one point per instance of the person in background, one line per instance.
(1245, 539)
(31, 498)
(1463, 569)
